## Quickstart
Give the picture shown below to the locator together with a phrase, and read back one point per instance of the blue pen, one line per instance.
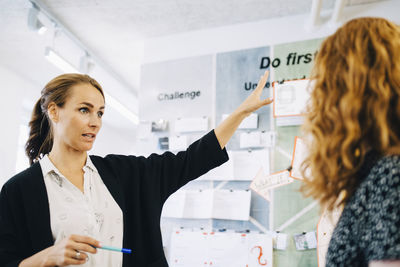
(123, 250)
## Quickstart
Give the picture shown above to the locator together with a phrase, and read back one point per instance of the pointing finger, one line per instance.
(262, 81)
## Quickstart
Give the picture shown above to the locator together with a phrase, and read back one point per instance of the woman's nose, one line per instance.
(95, 121)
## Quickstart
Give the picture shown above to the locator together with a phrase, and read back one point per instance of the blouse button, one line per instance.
(63, 216)
(68, 199)
(118, 220)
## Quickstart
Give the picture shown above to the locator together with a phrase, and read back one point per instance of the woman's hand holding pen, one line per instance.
(70, 251)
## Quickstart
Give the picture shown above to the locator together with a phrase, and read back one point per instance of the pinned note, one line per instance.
(290, 98)
(247, 163)
(199, 248)
(281, 241)
(262, 183)
(232, 204)
(184, 125)
(250, 122)
(209, 203)
(250, 139)
(305, 241)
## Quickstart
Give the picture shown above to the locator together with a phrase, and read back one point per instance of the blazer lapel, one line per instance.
(37, 211)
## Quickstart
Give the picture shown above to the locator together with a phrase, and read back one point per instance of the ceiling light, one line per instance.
(59, 61)
(121, 108)
(67, 67)
(34, 23)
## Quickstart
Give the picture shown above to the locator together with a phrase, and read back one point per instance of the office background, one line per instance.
(129, 47)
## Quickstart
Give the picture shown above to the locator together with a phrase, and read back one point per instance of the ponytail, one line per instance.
(40, 139)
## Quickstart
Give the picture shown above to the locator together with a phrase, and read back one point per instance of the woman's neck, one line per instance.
(67, 160)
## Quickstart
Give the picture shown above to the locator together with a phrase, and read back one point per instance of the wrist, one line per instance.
(46, 262)
(241, 113)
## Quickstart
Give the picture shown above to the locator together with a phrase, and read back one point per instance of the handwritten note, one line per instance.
(210, 203)
(199, 248)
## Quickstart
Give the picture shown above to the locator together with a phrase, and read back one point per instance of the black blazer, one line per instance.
(139, 185)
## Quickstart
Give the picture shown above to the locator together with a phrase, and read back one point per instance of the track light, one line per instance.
(67, 67)
(34, 23)
(59, 61)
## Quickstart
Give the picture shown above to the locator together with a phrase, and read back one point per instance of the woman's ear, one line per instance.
(53, 112)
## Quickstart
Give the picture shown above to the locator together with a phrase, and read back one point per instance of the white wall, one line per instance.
(256, 34)
(13, 89)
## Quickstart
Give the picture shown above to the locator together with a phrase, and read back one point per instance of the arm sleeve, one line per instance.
(9, 256)
(384, 207)
(168, 172)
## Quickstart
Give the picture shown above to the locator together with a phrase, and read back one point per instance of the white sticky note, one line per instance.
(227, 249)
(250, 122)
(198, 204)
(305, 241)
(268, 139)
(178, 143)
(188, 249)
(247, 163)
(262, 183)
(311, 240)
(281, 241)
(250, 139)
(183, 125)
(289, 121)
(232, 204)
(290, 98)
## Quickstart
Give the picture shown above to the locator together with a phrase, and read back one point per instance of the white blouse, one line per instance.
(93, 213)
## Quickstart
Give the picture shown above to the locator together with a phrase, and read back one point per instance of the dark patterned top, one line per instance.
(369, 227)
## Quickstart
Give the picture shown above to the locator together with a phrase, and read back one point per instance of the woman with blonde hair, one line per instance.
(353, 133)
(68, 204)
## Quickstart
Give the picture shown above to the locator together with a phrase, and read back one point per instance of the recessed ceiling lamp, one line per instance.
(34, 23)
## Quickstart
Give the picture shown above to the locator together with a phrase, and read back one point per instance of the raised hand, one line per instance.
(226, 129)
(254, 101)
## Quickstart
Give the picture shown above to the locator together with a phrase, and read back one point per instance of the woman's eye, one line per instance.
(84, 110)
(100, 114)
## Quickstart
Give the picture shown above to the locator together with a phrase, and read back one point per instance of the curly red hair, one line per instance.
(354, 106)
